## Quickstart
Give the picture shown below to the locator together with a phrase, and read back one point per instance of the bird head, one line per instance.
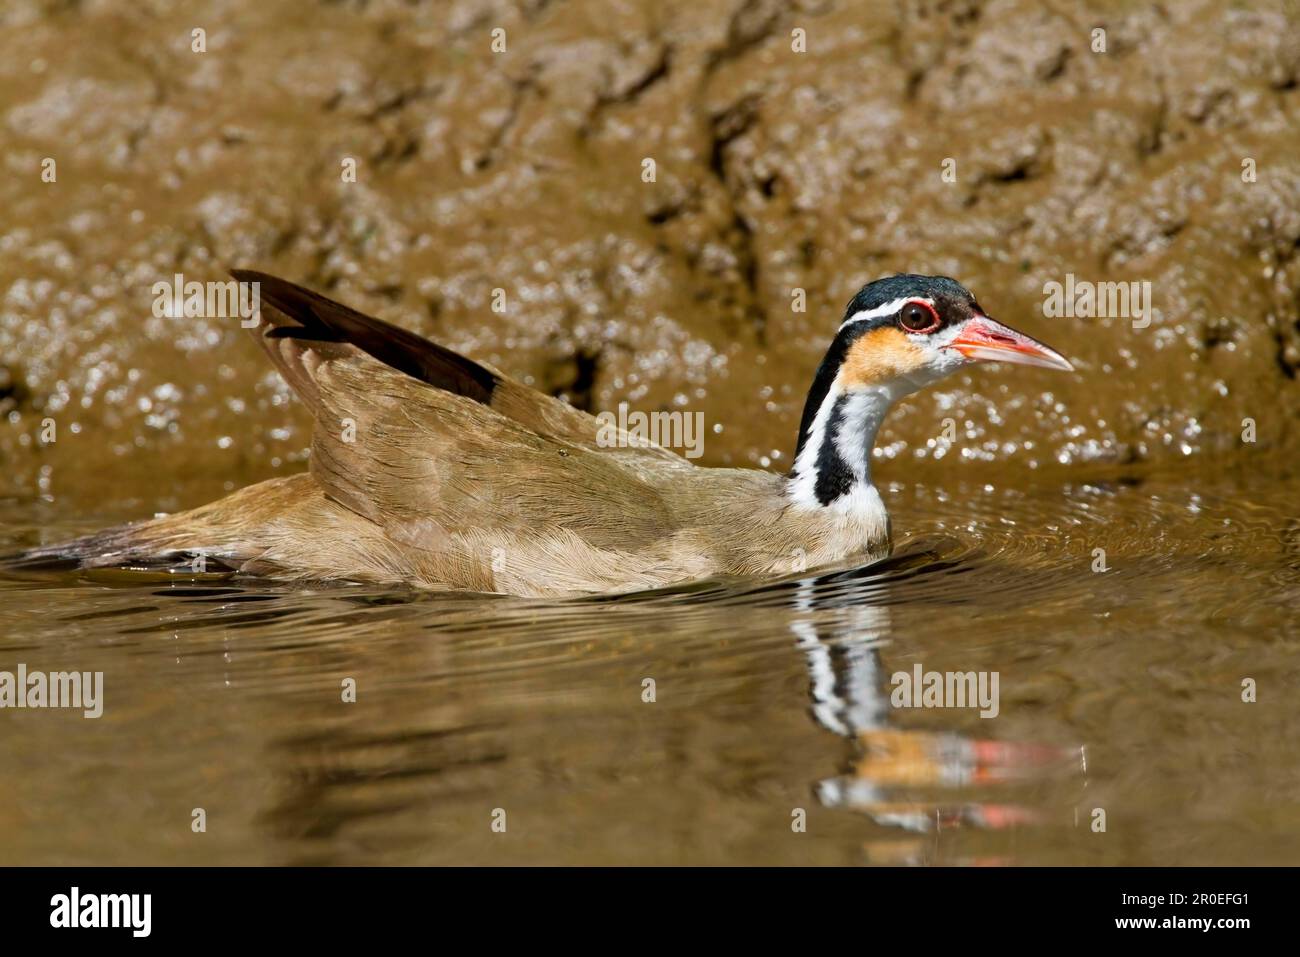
(905, 332)
(899, 334)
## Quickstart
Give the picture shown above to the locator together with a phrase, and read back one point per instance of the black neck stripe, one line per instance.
(834, 476)
(828, 370)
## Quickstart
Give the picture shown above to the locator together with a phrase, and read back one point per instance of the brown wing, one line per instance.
(311, 323)
(423, 441)
(317, 319)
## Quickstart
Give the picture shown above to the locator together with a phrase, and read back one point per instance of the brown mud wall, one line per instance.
(522, 171)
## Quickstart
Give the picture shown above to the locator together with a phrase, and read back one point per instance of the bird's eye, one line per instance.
(918, 317)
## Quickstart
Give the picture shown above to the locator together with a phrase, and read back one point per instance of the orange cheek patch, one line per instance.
(879, 356)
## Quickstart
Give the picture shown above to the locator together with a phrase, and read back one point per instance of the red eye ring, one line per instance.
(918, 317)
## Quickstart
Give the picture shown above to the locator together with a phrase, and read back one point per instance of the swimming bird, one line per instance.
(432, 469)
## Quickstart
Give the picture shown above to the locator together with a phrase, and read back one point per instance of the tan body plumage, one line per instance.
(433, 470)
(414, 483)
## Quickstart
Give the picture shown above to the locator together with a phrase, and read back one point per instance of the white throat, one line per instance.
(833, 469)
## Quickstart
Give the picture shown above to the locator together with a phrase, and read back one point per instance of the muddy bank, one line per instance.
(522, 171)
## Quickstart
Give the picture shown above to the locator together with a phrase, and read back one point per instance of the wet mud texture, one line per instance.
(523, 171)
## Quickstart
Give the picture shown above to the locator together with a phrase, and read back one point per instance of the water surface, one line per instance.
(1119, 690)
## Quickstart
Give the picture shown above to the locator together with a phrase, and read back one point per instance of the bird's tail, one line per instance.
(144, 546)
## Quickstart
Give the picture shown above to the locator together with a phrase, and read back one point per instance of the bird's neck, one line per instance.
(832, 467)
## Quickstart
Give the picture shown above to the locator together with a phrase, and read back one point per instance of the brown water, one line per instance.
(1119, 690)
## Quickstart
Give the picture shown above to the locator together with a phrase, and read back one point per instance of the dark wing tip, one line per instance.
(324, 320)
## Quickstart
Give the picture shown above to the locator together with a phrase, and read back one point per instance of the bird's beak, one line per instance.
(985, 339)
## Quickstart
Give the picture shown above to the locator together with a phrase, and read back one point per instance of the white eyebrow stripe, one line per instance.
(887, 309)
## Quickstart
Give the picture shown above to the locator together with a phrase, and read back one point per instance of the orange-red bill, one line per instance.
(990, 341)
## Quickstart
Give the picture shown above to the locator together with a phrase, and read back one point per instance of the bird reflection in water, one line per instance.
(918, 781)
